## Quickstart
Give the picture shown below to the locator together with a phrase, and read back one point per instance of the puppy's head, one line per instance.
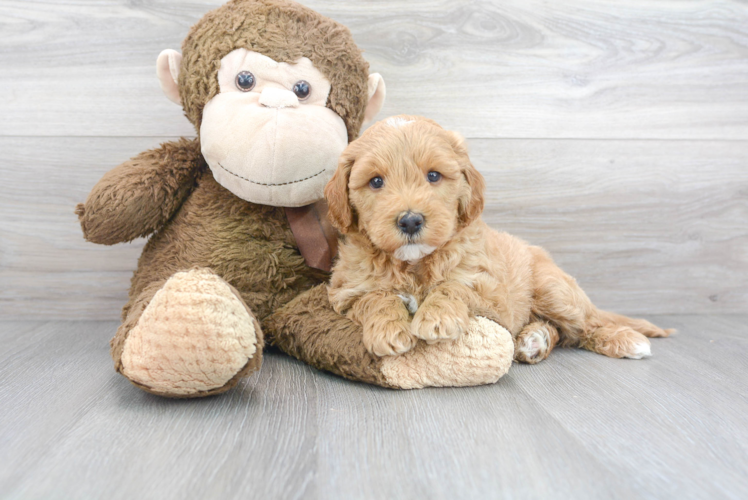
(407, 184)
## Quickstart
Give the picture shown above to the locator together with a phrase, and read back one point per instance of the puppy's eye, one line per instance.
(433, 176)
(302, 89)
(376, 182)
(245, 81)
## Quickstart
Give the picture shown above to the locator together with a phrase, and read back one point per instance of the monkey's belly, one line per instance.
(250, 246)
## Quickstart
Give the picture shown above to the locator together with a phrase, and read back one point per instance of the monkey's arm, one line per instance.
(308, 329)
(139, 196)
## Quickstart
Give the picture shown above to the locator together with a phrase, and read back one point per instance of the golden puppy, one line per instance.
(417, 260)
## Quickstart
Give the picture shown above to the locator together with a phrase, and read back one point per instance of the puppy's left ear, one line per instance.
(336, 192)
(471, 202)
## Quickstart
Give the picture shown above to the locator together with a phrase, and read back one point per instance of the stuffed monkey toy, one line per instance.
(239, 247)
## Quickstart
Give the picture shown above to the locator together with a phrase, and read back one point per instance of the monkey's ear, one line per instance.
(336, 192)
(377, 91)
(167, 70)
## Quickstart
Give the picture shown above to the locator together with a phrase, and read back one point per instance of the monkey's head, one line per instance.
(276, 91)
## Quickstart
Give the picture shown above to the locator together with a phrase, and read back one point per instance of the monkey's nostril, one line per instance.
(410, 223)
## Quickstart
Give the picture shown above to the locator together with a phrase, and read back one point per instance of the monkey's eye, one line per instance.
(433, 176)
(302, 89)
(245, 81)
(376, 182)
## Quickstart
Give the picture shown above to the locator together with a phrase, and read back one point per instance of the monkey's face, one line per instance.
(267, 135)
(276, 91)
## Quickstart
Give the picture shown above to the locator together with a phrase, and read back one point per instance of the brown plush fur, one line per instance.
(284, 31)
(145, 191)
(470, 267)
(136, 308)
(170, 192)
(307, 328)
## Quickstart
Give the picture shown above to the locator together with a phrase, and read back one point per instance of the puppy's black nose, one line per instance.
(410, 223)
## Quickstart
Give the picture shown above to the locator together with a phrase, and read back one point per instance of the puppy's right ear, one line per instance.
(339, 208)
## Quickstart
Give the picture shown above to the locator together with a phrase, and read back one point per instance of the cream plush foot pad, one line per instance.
(481, 356)
(195, 335)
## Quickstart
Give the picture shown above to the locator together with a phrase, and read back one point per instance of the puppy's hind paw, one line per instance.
(639, 350)
(619, 342)
(535, 342)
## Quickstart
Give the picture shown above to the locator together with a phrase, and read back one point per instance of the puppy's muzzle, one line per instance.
(410, 223)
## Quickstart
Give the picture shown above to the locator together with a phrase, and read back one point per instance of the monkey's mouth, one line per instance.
(269, 184)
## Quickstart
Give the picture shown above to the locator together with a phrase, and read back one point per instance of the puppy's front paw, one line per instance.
(388, 338)
(440, 320)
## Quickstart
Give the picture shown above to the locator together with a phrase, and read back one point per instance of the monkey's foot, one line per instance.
(195, 338)
(482, 355)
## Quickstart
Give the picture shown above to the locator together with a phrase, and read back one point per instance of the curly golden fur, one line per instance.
(426, 284)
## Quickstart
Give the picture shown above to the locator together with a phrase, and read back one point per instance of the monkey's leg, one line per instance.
(188, 336)
(308, 329)
(561, 301)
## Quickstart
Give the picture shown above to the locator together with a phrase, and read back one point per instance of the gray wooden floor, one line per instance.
(575, 426)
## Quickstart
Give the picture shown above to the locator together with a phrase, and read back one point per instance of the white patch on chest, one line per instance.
(413, 252)
(411, 303)
(397, 122)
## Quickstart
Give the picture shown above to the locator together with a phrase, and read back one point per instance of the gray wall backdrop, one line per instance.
(613, 133)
